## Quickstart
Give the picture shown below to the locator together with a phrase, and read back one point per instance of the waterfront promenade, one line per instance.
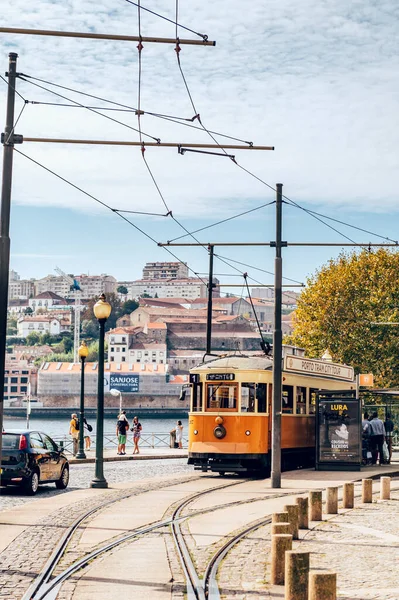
(361, 545)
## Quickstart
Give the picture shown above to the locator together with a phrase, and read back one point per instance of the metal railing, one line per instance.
(147, 440)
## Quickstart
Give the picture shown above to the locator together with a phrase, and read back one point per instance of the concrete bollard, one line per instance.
(349, 495)
(281, 517)
(303, 510)
(385, 491)
(332, 501)
(322, 585)
(367, 491)
(293, 519)
(296, 575)
(280, 545)
(281, 528)
(315, 506)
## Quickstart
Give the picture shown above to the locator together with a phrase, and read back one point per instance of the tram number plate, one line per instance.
(220, 376)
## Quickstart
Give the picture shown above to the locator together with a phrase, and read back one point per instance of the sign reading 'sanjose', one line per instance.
(319, 368)
(124, 382)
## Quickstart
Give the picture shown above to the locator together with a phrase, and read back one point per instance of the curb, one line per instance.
(82, 461)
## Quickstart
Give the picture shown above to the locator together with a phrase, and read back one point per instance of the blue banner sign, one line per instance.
(123, 382)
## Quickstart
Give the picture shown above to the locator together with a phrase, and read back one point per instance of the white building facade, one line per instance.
(40, 325)
(165, 270)
(190, 287)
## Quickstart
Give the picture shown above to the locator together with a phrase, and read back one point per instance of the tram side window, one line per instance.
(300, 400)
(312, 401)
(222, 396)
(261, 396)
(288, 399)
(247, 397)
(196, 397)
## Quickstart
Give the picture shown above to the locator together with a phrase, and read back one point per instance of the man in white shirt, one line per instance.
(377, 437)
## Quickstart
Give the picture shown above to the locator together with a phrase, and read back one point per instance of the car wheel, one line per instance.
(63, 481)
(31, 484)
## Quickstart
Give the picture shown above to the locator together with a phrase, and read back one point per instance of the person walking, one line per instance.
(122, 427)
(389, 426)
(136, 428)
(74, 432)
(178, 430)
(377, 437)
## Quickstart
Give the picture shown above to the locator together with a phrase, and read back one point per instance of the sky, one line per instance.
(318, 80)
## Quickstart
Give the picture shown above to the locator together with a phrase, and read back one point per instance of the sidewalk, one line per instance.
(110, 454)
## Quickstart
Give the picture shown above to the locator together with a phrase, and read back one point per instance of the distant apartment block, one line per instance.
(92, 285)
(165, 270)
(190, 287)
(21, 288)
(53, 325)
(17, 377)
(53, 283)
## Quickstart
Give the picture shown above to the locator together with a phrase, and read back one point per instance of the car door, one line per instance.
(40, 454)
(54, 462)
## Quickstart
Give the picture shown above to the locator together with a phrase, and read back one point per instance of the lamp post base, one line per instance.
(99, 483)
(80, 455)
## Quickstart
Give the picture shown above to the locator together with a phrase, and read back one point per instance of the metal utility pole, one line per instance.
(277, 348)
(209, 313)
(8, 154)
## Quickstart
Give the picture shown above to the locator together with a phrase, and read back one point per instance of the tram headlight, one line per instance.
(219, 432)
(247, 432)
(195, 431)
(219, 420)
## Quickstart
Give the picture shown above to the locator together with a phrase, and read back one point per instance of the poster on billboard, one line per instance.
(123, 382)
(339, 432)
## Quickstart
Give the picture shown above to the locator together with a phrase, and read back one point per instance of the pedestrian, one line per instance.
(87, 428)
(74, 432)
(122, 427)
(136, 428)
(366, 425)
(178, 430)
(389, 426)
(377, 437)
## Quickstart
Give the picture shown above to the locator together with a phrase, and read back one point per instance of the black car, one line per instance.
(30, 458)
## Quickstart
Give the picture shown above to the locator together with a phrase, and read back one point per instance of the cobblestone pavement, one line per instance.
(360, 545)
(115, 472)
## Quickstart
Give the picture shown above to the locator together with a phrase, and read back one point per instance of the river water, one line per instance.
(58, 428)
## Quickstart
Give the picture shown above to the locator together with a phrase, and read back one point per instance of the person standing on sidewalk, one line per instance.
(136, 434)
(377, 437)
(389, 425)
(74, 432)
(122, 427)
(178, 431)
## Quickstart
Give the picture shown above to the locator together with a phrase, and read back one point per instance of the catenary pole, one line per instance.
(209, 312)
(8, 143)
(277, 349)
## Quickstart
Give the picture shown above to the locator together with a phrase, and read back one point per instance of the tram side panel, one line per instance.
(297, 441)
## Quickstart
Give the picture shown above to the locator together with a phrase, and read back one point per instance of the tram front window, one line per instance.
(247, 397)
(196, 397)
(222, 396)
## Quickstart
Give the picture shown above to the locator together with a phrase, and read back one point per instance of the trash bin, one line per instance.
(173, 443)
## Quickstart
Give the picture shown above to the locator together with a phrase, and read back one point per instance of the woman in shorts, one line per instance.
(136, 434)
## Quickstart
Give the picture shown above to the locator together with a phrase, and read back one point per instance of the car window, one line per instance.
(48, 443)
(36, 441)
(10, 441)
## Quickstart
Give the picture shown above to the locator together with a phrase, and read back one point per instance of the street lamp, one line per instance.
(116, 392)
(83, 354)
(102, 310)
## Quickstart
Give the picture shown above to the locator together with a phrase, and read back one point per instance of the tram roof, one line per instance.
(245, 363)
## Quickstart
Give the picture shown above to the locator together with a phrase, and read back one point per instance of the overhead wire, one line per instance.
(107, 206)
(201, 35)
(12, 87)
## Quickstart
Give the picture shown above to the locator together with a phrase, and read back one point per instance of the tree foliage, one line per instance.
(122, 289)
(339, 307)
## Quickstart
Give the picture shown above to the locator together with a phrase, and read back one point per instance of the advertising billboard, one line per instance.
(123, 382)
(338, 433)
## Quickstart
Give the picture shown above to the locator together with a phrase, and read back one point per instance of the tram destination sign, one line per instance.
(220, 376)
(320, 368)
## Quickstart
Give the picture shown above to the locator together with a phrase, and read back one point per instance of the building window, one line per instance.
(5, 379)
(24, 380)
(14, 389)
(112, 359)
(14, 379)
(118, 349)
(123, 349)
(139, 354)
(123, 340)
(24, 388)
(112, 349)
(123, 359)
(112, 339)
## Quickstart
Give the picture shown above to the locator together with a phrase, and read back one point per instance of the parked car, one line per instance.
(30, 458)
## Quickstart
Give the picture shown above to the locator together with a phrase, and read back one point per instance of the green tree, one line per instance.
(68, 344)
(122, 289)
(129, 306)
(32, 339)
(46, 338)
(116, 312)
(28, 311)
(338, 309)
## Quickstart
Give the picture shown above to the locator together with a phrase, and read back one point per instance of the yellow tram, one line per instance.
(230, 411)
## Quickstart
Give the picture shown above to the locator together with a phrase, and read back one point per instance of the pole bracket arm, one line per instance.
(9, 139)
(282, 244)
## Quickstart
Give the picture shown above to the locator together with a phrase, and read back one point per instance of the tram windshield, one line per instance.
(222, 396)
